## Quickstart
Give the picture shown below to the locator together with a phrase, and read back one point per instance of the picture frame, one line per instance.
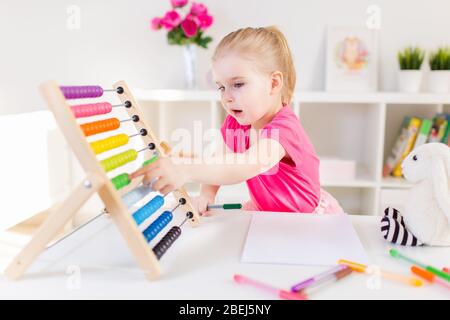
(351, 59)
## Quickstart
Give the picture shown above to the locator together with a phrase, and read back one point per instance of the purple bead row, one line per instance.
(78, 92)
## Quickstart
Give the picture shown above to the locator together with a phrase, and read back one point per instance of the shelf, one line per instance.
(301, 96)
(392, 182)
(362, 179)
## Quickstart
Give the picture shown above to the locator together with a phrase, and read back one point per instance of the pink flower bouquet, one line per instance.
(188, 28)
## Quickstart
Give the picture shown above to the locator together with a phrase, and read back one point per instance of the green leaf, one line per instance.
(411, 58)
(204, 42)
(440, 59)
(177, 37)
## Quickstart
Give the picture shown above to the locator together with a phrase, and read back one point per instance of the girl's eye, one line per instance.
(238, 85)
(415, 158)
(221, 88)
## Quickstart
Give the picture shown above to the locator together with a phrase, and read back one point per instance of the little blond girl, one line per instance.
(254, 72)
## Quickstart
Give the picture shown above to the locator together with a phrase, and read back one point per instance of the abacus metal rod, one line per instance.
(126, 104)
(147, 147)
(134, 118)
(119, 90)
(141, 132)
(181, 201)
(179, 204)
(189, 215)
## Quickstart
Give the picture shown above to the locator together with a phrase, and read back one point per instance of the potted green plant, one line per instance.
(439, 75)
(410, 61)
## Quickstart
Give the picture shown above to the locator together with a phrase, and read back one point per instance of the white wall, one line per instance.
(115, 41)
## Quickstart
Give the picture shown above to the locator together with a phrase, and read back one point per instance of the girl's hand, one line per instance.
(201, 202)
(170, 176)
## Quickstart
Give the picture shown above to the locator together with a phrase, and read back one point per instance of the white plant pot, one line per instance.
(438, 81)
(409, 80)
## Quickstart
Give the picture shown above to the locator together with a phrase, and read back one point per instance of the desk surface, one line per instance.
(201, 266)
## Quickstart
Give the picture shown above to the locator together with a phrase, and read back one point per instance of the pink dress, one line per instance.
(293, 184)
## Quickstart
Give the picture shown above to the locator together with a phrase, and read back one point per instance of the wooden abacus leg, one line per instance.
(58, 216)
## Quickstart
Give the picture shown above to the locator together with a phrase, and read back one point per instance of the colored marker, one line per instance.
(442, 274)
(225, 206)
(388, 275)
(329, 276)
(445, 269)
(430, 277)
(279, 292)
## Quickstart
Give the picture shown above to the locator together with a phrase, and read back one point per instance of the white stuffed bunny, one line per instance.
(426, 219)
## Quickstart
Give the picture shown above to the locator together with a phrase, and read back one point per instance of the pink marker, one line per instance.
(279, 292)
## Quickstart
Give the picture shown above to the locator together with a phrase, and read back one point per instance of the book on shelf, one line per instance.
(397, 150)
(439, 128)
(446, 136)
(411, 135)
(424, 131)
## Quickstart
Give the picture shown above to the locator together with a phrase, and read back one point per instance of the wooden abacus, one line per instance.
(118, 193)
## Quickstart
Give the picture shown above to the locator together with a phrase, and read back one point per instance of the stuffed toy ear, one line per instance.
(439, 178)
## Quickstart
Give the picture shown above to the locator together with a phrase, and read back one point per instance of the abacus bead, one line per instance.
(164, 244)
(136, 195)
(121, 181)
(148, 209)
(109, 143)
(78, 92)
(156, 226)
(153, 159)
(92, 109)
(100, 126)
(118, 160)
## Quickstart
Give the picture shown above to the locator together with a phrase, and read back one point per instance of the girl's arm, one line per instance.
(228, 168)
(232, 168)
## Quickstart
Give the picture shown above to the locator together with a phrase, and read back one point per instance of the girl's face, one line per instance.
(246, 92)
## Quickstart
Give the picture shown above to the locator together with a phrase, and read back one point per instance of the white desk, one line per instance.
(201, 264)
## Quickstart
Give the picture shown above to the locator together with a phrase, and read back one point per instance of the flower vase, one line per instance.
(190, 66)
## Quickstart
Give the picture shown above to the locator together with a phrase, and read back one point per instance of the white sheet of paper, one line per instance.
(290, 238)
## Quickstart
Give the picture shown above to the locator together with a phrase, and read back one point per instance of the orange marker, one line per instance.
(388, 275)
(430, 277)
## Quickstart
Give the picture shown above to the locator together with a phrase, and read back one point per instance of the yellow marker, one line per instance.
(388, 275)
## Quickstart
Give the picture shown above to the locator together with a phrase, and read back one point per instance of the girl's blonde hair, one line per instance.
(269, 49)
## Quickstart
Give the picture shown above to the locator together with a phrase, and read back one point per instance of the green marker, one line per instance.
(226, 206)
(444, 275)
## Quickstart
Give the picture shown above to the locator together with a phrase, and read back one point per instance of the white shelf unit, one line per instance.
(353, 126)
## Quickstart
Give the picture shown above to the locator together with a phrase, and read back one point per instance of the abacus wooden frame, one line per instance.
(96, 182)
